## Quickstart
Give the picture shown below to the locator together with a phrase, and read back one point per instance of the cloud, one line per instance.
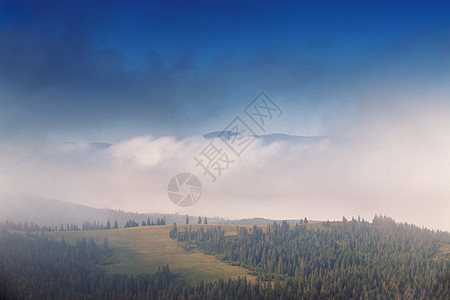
(404, 174)
(146, 151)
(63, 83)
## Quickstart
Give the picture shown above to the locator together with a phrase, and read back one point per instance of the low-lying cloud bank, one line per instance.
(405, 174)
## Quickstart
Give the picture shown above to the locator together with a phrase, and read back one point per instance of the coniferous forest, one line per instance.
(351, 259)
(344, 260)
(34, 267)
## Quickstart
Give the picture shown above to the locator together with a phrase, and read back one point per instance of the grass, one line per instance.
(145, 249)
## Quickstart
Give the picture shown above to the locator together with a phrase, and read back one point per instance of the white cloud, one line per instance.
(146, 151)
(404, 174)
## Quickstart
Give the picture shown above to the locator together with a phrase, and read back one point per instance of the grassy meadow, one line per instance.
(145, 249)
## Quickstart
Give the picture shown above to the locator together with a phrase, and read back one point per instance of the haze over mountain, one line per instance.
(269, 138)
(52, 212)
(277, 177)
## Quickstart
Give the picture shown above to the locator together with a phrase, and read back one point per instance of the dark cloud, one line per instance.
(60, 71)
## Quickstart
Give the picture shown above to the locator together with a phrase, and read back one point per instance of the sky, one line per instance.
(151, 77)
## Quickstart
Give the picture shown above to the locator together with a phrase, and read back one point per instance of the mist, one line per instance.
(403, 173)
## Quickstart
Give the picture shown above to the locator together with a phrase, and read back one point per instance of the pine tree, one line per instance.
(105, 244)
(187, 219)
(174, 232)
(199, 220)
(116, 225)
(205, 220)
(108, 225)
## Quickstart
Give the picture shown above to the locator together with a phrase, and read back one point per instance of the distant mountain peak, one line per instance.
(99, 145)
(268, 138)
(220, 134)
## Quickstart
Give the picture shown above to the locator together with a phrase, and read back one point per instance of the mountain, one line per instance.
(53, 212)
(277, 137)
(265, 138)
(219, 134)
(99, 146)
(273, 137)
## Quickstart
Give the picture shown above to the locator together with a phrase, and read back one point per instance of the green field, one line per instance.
(145, 249)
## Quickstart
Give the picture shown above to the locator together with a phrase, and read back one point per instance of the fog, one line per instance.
(384, 105)
(403, 173)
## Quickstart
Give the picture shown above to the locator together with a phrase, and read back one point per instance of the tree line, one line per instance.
(87, 225)
(34, 267)
(344, 260)
(133, 223)
(199, 220)
(347, 260)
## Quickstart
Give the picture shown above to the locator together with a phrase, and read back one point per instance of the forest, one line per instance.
(335, 260)
(34, 267)
(348, 259)
(87, 225)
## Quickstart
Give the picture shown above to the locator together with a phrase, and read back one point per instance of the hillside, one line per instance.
(55, 213)
(341, 260)
(336, 260)
(145, 249)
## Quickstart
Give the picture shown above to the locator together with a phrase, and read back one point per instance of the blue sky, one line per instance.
(111, 70)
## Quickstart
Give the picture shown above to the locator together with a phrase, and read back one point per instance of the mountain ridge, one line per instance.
(53, 212)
